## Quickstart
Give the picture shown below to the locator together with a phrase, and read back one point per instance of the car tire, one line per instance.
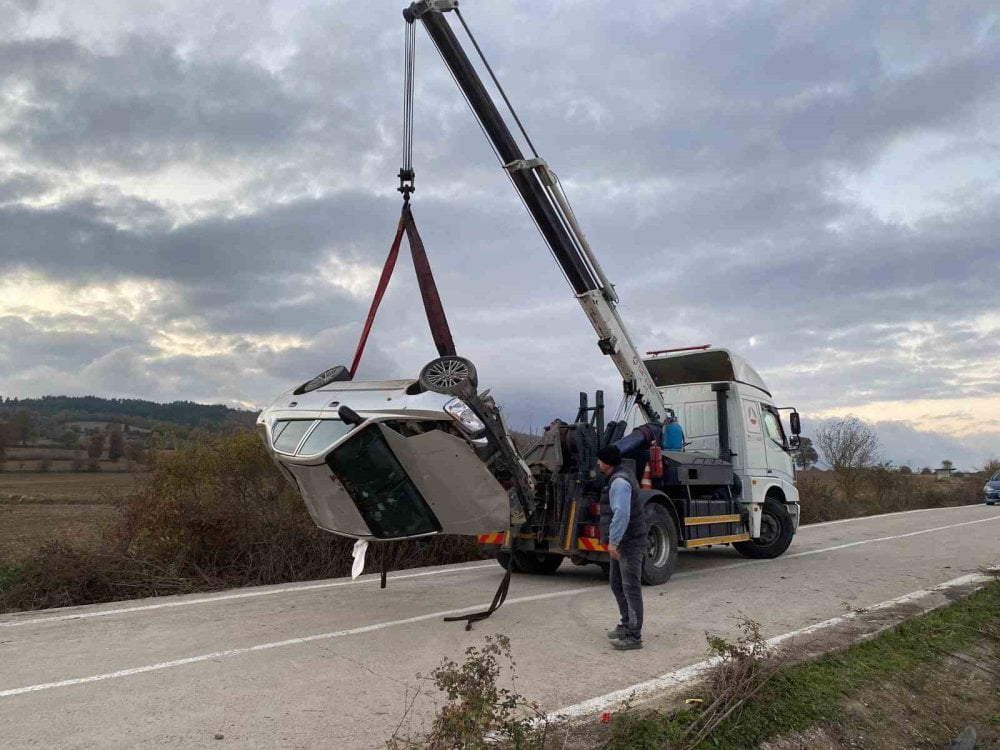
(452, 376)
(776, 530)
(661, 551)
(536, 563)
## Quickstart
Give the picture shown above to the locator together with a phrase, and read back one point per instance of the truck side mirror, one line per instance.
(795, 423)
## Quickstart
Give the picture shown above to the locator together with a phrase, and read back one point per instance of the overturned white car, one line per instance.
(398, 459)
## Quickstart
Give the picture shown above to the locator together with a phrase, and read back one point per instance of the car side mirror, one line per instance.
(795, 423)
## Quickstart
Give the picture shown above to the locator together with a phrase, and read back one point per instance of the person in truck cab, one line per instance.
(673, 433)
(624, 523)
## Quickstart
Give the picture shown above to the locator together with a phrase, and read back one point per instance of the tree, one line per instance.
(116, 445)
(96, 446)
(926, 471)
(947, 465)
(806, 455)
(69, 439)
(849, 446)
(904, 469)
(24, 426)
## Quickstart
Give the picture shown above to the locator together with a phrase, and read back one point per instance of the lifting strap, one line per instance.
(498, 599)
(425, 280)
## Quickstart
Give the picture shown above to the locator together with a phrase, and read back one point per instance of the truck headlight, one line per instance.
(462, 413)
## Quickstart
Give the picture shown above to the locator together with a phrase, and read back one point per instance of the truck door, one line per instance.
(778, 460)
(756, 457)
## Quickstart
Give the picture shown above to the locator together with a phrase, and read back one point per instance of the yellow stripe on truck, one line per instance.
(717, 540)
(700, 520)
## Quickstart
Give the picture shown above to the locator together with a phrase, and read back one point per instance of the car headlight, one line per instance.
(462, 413)
(986, 488)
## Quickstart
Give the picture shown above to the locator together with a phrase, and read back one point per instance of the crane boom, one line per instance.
(545, 200)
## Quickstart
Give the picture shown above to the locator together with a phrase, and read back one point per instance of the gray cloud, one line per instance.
(709, 153)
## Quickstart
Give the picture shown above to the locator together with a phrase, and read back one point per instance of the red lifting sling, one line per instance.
(428, 290)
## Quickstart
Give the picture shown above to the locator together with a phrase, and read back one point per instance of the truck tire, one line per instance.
(535, 563)
(661, 552)
(504, 559)
(776, 532)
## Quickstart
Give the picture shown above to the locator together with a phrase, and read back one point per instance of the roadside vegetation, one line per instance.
(918, 686)
(215, 514)
(207, 509)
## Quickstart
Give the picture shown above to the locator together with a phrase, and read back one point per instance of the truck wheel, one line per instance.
(661, 550)
(452, 376)
(536, 563)
(504, 559)
(776, 533)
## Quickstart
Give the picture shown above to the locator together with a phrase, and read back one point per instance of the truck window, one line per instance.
(773, 427)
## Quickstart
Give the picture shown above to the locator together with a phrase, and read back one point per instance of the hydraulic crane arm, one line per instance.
(544, 198)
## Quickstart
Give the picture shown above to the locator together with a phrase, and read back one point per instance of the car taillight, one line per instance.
(591, 531)
(595, 510)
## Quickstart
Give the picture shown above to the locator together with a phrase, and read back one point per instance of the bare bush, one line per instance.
(479, 712)
(849, 446)
(217, 514)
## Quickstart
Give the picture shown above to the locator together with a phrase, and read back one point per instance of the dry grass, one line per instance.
(98, 487)
(881, 491)
(25, 527)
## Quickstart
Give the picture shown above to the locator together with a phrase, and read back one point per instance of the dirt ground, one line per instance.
(38, 507)
(24, 526)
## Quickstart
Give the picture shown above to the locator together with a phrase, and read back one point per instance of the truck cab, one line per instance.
(716, 386)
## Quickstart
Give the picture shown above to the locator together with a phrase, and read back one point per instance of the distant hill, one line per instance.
(132, 411)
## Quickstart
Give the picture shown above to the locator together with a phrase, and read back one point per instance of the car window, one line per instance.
(327, 432)
(996, 477)
(288, 433)
(773, 428)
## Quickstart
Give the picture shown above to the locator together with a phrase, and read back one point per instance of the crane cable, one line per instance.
(440, 331)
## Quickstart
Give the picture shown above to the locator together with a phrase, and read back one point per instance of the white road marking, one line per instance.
(409, 620)
(884, 515)
(687, 674)
(886, 538)
(240, 595)
(437, 571)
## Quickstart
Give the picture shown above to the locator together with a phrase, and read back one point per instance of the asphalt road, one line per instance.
(333, 664)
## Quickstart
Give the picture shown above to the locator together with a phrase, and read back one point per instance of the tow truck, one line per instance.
(382, 460)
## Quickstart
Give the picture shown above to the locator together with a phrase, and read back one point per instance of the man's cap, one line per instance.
(610, 455)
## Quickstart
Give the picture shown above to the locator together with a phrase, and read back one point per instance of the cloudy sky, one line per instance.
(196, 199)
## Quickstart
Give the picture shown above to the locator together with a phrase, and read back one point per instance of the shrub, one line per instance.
(216, 514)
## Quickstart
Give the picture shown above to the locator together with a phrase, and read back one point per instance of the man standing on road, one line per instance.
(623, 524)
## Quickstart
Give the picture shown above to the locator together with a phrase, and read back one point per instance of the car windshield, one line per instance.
(996, 477)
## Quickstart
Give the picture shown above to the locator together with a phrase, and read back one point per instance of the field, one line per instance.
(53, 487)
(39, 507)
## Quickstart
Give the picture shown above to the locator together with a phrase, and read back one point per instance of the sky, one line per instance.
(196, 199)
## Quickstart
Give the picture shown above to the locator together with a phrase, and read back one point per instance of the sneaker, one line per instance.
(620, 631)
(627, 643)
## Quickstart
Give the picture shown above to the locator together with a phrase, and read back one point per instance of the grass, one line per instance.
(822, 693)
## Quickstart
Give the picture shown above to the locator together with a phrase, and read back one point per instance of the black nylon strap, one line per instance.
(498, 599)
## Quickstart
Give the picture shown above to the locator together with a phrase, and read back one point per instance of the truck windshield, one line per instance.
(389, 502)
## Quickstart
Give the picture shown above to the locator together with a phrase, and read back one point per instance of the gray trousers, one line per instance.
(626, 585)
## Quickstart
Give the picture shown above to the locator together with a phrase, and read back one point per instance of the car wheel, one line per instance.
(776, 532)
(661, 546)
(452, 376)
(536, 563)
